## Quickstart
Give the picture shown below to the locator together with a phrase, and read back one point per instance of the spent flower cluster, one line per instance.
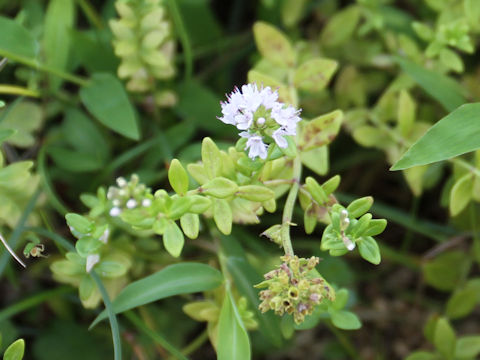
(294, 288)
(261, 116)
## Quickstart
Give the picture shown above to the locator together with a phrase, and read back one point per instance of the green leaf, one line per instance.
(461, 194)
(79, 223)
(182, 278)
(345, 320)
(15, 351)
(320, 131)
(273, 44)
(314, 75)
(5, 134)
(190, 225)
(219, 187)
(316, 159)
(24, 117)
(211, 157)
(369, 250)
(467, 347)
(421, 355)
(445, 270)
(341, 27)
(360, 206)
(173, 239)
(59, 19)
(442, 88)
(232, 342)
(73, 160)
(455, 134)
(222, 214)
(178, 177)
(405, 112)
(462, 303)
(255, 193)
(244, 275)
(107, 100)
(444, 338)
(16, 40)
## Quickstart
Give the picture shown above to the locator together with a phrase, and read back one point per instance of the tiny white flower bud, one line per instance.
(105, 235)
(121, 182)
(146, 202)
(261, 121)
(115, 211)
(131, 203)
(91, 261)
(349, 244)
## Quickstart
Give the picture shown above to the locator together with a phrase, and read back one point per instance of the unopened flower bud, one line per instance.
(115, 211)
(131, 203)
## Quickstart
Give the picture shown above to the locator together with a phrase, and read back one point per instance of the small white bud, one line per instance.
(146, 202)
(121, 182)
(349, 244)
(261, 121)
(115, 211)
(91, 261)
(131, 203)
(105, 235)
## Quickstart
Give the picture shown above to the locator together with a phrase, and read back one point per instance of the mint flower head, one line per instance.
(261, 116)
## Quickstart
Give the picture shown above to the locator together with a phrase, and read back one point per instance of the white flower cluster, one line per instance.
(128, 195)
(259, 113)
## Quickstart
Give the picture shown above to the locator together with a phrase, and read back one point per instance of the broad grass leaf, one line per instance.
(244, 275)
(16, 40)
(442, 88)
(107, 100)
(182, 278)
(232, 342)
(59, 20)
(456, 134)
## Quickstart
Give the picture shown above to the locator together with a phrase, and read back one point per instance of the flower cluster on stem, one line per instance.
(261, 117)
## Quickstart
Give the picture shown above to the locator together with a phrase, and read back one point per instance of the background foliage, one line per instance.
(93, 91)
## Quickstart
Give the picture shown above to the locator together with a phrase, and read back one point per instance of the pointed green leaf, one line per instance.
(444, 338)
(232, 342)
(182, 278)
(467, 347)
(346, 320)
(211, 157)
(222, 214)
(108, 102)
(314, 75)
(59, 19)
(456, 134)
(369, 250)
(461, 194)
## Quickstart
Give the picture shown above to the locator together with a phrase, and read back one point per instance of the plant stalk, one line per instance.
(289, 206)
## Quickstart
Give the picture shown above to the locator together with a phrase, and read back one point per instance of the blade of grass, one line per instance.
(33, 301)
(117, 344)
(135, 320)
(15, 237)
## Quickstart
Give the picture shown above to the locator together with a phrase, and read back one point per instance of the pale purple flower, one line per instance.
(241, 111)
(256, 145)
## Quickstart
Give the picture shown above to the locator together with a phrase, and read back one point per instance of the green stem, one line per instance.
(91, 14)
(159, 339)
(117, 344)
(289, 206)
(184, 39)
(18, 90)
(196, 343)
(42, 67)
(344, 341)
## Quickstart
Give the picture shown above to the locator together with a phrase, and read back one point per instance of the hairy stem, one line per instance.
(289, 206)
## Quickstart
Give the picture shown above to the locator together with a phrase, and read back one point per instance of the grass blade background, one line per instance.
(455, 134)
(443, 89)
(183, 278)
